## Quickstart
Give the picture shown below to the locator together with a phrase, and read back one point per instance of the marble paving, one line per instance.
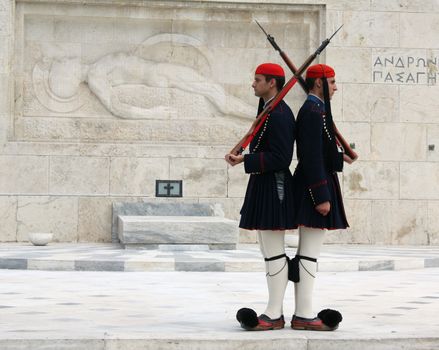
(60, 310)
(247, 258)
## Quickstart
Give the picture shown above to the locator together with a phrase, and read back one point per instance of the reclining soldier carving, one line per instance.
(113, 70)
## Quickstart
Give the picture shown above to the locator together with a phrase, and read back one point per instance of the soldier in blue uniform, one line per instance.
(269, 205)
(318, 200)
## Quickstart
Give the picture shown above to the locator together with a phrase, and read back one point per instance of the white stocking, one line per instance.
(272, 243)
(310, 242)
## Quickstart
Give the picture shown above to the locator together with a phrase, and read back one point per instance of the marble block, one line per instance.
(215, 231)
(161, 207)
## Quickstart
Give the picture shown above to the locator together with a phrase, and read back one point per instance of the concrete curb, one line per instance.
(207, 265)
(111, 257)
(167, 265)
(297, 343)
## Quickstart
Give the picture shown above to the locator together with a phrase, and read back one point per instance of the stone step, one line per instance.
(213, 342)
(53, 310)
(151, 231)
(110, 257)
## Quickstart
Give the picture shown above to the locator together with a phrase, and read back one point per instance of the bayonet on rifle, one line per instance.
(290, 64)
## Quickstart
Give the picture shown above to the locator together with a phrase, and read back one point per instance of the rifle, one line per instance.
(260, 119)
(349, 152)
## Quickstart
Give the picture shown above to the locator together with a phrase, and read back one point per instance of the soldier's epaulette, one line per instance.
(277, 110)
(315, 108)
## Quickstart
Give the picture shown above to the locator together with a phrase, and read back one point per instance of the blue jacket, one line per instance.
(314, 180)
(269, 202)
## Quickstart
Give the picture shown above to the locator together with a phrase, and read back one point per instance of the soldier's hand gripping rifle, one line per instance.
(349, 152)
(260, 119)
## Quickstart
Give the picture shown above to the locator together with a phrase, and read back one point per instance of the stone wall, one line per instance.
(100, 98)
(387, 64)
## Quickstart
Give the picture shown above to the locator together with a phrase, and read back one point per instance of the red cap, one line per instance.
(320, 71)
(270, 69)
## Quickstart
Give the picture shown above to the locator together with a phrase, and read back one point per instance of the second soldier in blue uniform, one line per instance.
(318, 201)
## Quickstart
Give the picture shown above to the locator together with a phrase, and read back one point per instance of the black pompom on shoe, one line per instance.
(330, 317)
(247, 318)
(250, 321)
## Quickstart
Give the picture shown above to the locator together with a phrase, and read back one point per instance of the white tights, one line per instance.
(272, 243)
(310, 242)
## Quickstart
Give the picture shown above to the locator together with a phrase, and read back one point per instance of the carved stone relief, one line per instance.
(84, 77)
(57, 87)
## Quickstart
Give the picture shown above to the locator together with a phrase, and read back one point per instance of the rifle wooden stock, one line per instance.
(241, 145)
(260, 119)
(238, 149)
(294, 70)
(349, 152)
(352, 156)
